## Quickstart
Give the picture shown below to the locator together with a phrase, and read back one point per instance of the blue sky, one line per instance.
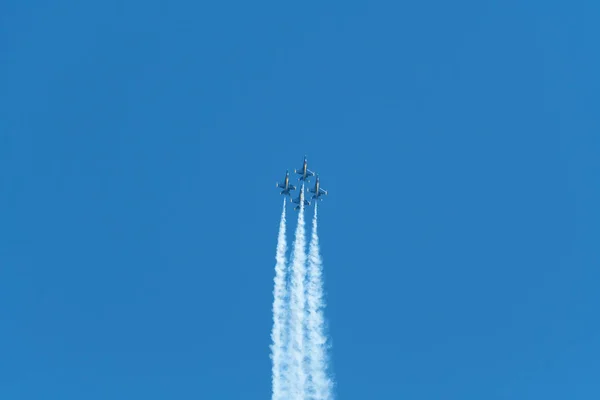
(139, 147)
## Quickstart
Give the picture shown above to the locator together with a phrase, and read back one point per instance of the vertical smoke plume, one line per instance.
(297, 310)
(280, 380)
(319, 381)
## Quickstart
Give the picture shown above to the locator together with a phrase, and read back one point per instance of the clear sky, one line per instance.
(140, 143)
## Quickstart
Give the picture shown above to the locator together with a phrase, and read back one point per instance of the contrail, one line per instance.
(280, 379)
(319, 382)
(297, 310)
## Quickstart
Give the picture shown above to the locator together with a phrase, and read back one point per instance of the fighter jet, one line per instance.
(318, 191)
(297, 201)
(286, 184)
(304, 171)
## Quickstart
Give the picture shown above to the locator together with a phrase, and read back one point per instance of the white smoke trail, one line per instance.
(297, 310)
(319, 382)
(280, 380)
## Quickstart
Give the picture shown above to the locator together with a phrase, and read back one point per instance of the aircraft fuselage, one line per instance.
(286, 185)
(304, 172)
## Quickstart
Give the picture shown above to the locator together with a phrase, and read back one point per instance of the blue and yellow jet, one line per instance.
(304, 171)
(298, 199)
(318, 191)
(286, 185)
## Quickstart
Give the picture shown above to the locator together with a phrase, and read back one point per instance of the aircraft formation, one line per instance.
(305, 175)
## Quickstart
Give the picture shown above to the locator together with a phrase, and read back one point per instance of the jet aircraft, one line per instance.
(286, 185)
(318, 191)
(297, 201)
(304, 171)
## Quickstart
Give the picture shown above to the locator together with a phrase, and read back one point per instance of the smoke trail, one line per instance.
(279, 378)
(297, 309)
(319, 382)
